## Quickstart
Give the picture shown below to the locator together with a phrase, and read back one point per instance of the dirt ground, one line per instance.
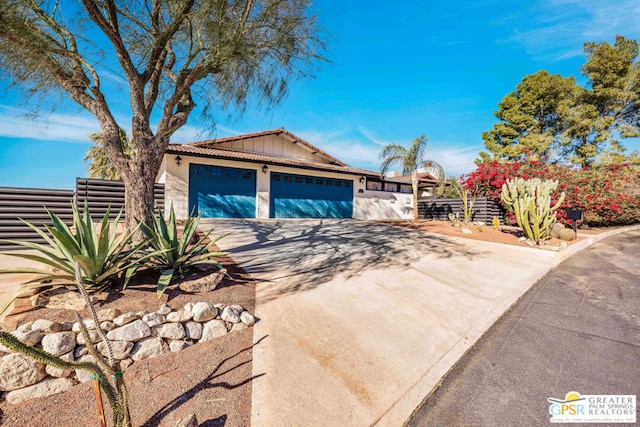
(505, 235)
(212, 379)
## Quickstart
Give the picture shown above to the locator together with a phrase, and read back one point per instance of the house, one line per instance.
(276, 174)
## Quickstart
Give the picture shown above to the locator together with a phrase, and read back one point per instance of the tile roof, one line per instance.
(199, 151)
(282, 131)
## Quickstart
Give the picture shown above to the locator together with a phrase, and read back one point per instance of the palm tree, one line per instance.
(409, 160)
(99, 165)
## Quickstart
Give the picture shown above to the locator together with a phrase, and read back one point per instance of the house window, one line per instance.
(288, 178)
(347, 184)
(391, 187)
(404, 188)
(329, 182)
(309, 180)
(338, 183)
(374, 185)
(275, 177)
(216, 171)
(299, 179)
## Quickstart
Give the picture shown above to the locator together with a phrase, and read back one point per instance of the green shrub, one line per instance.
(102, 256)
(174, 255)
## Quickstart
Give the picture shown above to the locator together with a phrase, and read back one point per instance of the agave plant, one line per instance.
(102, 256)
(172, 254)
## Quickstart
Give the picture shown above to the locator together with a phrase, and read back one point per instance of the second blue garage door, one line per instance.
(221, 192)
(300, 196)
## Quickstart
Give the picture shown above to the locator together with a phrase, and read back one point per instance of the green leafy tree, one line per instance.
(99, 164)
(531, 118)
(168, 54)
(409, 159)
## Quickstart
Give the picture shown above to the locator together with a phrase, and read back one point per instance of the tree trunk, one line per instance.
(138, 201)
(414, 186)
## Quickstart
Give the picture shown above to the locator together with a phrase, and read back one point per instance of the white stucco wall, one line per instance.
(382, 205)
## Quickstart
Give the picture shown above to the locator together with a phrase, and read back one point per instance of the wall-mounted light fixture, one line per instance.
(178, 160)
(265, 168)
(392, 199)
(360, 190)
(362, 179)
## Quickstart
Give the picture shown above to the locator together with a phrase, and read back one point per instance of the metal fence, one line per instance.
(101, 194)
(439, 209)
(31, 204)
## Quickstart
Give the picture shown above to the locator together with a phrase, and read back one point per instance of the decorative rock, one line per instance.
(83, 375)
(141, 314)
(66, 326)
(46, 326)
(247, 318)
(230, 314)
(204, 311)
(213, 329)
(188, 306)
(154, 319)
(25, 327)
(203, 284)
(108, 314)
(465, 230)
(59, 298)
(133, 331)
(165, 309)
(147, 348)
(178, 345)
(107, 326)
(193, 330)
(188, 421)
(45, 388)
(125, 363)
(88, 323)
(120, 349)
(174, 331)
(238, 327)
(18, 371)
(57, 372)
(94, 336)
(125, 318)
(28, 337)
(237, 307)
(219, 306)
(80, 351)
(59, 343)
(179, 316)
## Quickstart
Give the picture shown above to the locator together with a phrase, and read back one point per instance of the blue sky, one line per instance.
(398, 70)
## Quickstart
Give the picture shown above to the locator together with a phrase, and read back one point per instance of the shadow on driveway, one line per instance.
(303, 254)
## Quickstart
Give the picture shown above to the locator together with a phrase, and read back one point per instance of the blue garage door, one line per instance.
(220, 192)
(299, 196)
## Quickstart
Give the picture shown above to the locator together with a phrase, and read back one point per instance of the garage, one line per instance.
(301, 196)
(222, 192)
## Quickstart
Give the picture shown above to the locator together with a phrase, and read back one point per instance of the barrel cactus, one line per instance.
(530, 201)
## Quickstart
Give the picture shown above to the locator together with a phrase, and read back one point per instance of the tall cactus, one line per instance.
(530, 201)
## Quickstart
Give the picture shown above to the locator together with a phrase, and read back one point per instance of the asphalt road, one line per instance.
(577, 329)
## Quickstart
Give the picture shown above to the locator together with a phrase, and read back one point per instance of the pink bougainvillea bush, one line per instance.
(609, 195)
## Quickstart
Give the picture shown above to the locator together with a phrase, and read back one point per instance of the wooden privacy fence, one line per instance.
(439, 209)
(29, 204)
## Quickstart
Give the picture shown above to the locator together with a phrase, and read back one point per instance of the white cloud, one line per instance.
(15, 123)
(455, 161)
(560, 27)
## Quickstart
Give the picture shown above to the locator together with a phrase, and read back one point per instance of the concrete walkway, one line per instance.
(577, 329)
(360, 321)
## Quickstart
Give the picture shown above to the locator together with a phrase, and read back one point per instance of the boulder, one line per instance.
(46, 326)
(203, 284)
(120, 349)
(108, 314)
(230, 314)
(154, 319)
(178, 345)
(247, 318)
(213, 329)
(28, 337)
(19, 371)
(47, 387)
(125, 318)
(165, 309)
(193, 330)
(62, 298)
(133, 331)
(94, 336)
(83, 375)
(173, 331)
(147, 348)
(203, 311)
(59, 343)
(179, 316)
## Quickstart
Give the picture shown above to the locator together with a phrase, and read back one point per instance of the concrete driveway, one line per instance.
(361, 320)
(577, 329)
